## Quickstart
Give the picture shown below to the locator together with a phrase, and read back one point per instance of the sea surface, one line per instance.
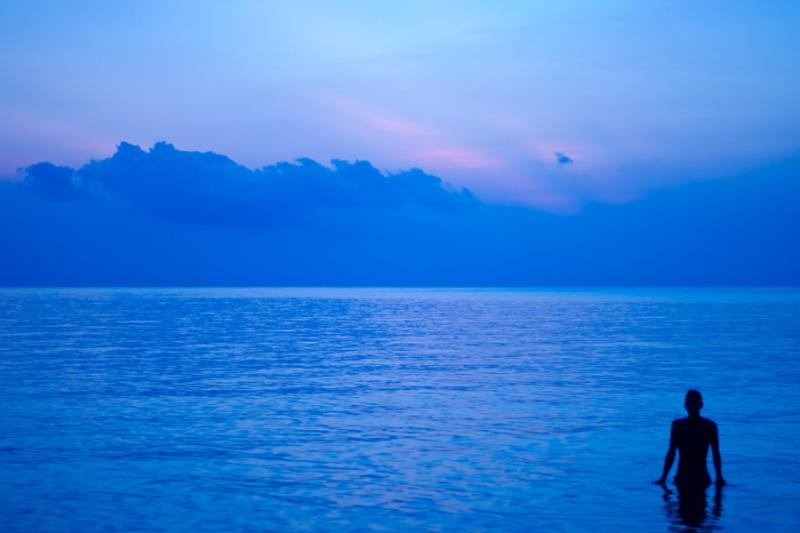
(391, 410)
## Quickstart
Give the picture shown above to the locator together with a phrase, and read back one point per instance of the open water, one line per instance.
(390, 410)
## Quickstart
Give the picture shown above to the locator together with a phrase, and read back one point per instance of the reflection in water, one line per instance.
(688, 512)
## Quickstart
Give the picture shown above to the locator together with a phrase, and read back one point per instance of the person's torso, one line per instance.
(693, 439)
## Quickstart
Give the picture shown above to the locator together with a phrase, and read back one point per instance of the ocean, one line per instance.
(316, 409)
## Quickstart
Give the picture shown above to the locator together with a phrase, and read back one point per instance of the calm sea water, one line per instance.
(345, 409)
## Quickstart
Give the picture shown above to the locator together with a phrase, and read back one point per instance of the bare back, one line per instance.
(693, 436)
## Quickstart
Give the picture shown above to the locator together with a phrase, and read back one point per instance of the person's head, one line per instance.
(693, 402)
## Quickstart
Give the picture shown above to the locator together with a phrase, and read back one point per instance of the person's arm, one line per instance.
(716, 454)
(670, 457)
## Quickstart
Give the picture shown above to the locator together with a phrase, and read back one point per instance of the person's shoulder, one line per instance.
(679, 421)
(709, 423)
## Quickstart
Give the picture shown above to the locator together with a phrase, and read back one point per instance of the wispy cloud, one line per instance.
(456, 157)
(380, 121)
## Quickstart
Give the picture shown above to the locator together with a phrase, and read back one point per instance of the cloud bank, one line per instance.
(171, 217)
(208, 188)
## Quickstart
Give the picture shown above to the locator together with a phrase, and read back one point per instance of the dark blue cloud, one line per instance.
(169, 217)
(209, 188)
(563, 159)
(58, 183)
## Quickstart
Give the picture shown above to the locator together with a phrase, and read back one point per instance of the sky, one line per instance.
(399, 143)
(487, 95)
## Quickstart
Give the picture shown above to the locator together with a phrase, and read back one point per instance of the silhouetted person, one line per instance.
(691, 437)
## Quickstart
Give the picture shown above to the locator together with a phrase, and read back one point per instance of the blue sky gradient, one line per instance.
(637, 94)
